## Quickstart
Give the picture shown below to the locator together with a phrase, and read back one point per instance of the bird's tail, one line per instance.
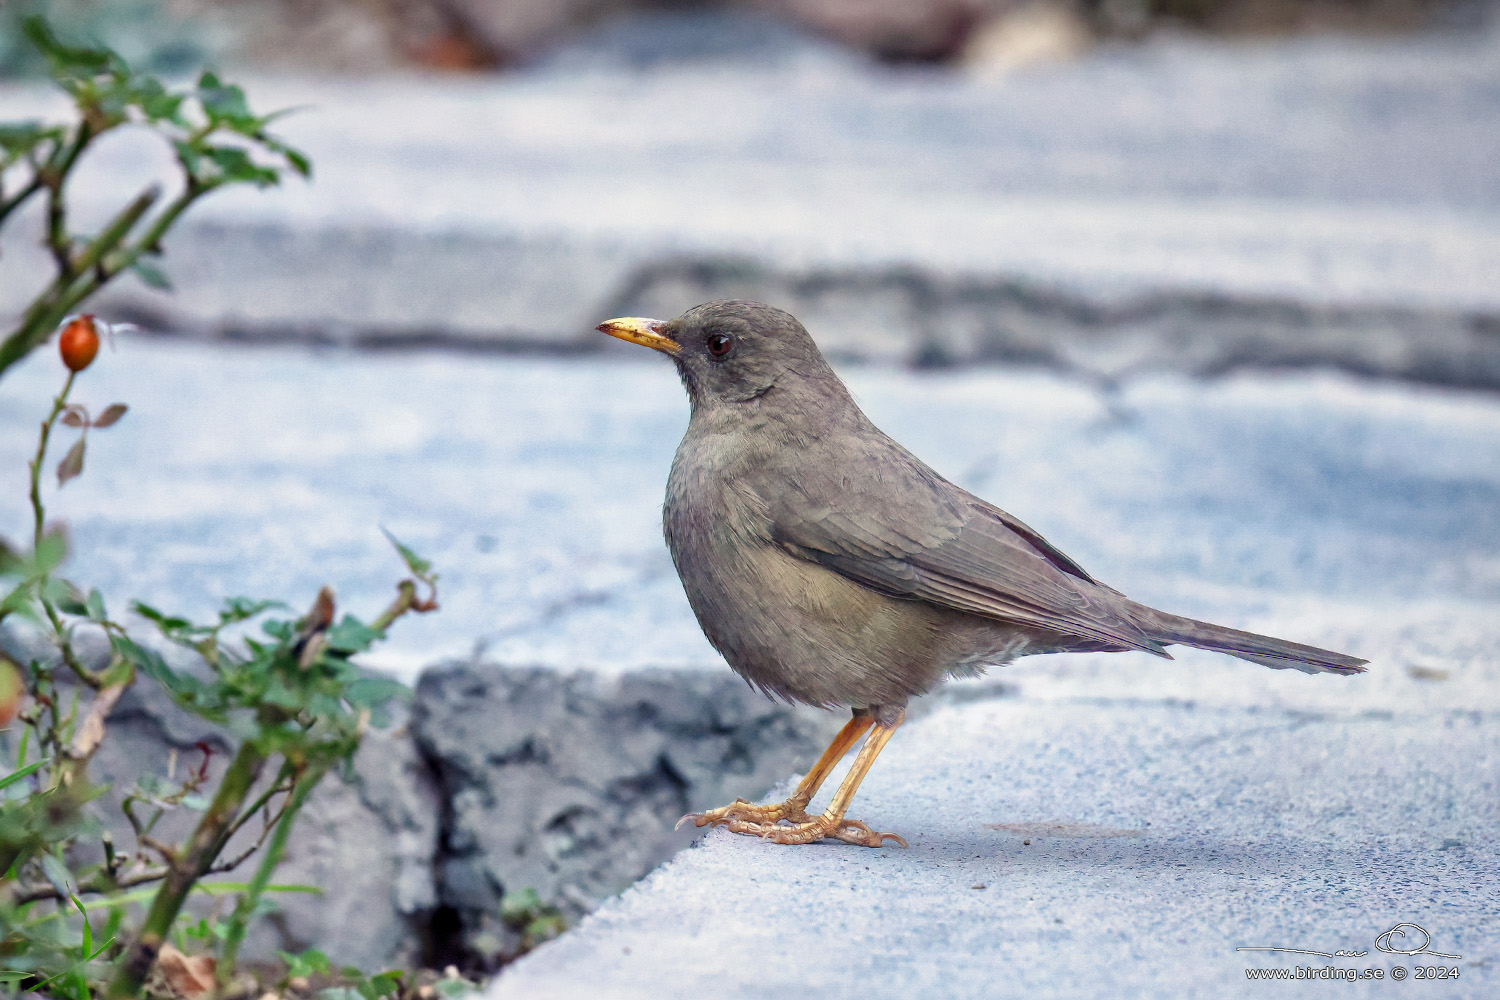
(1263, 649)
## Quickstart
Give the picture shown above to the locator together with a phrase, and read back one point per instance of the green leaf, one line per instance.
(221, 888)
(86, 60)
(88, 928)
(414, 562)
(18, 139)
(19, 602)
(367, 692)
(11, 563)
(278, 694)
(352, 636)
(308, 963)
(25, 745)
(169, 625)
(238, 609)
(519, 905)
(150, 663)
(24, 773)
(280, 629)
(71, 602)
(386, 983)
(223, 102)
(230, 165)
(189, 155)
(545, 926)
(156, 102)
(326, 707)
(299, 161)
(151, 275)
(49, 554)
(95, 605)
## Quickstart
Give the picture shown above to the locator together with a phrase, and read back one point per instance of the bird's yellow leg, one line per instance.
(832, 823)
(795, 807)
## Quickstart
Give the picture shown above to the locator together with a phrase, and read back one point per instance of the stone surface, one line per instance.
(569, 784)
(1322, 504)
(367, 840)
(1352, 513)
(504, 780)
(1163, 837)
(369, 844)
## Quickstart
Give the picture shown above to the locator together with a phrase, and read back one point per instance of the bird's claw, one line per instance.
(748, 812)
(850, 831)
(808, 830)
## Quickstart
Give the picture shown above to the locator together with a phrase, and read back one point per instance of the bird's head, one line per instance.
(733, 351)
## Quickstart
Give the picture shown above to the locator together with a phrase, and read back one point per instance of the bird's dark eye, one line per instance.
(720, 345)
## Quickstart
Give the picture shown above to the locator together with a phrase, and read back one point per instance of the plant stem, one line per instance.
(191, 865)
(39, 512)
(53, 176)
(239, 921)
(63, 294)
(406, 595)
(15, 201)
(39, 517)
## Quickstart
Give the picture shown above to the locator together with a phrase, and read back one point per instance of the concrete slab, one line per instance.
(1312, 812)
(1356, 514)
(1092, 848)
(1332, 510)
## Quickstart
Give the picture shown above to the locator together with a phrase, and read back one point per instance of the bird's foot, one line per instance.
(748, 812)
(765, 821)
(850, 831)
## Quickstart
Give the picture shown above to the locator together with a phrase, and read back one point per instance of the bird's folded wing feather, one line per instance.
(904, 531)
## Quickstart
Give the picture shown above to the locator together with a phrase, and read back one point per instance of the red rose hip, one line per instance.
(79, 343)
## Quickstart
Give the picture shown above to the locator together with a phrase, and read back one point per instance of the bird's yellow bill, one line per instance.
(646, 332)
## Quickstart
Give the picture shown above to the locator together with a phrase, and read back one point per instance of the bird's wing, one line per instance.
(903, 530)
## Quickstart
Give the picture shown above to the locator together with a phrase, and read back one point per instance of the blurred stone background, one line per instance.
(365, 36)
(1204, 290)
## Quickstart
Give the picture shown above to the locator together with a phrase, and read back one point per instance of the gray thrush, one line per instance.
(830, 566)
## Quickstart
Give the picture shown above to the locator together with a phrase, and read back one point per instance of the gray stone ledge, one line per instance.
(503, 779)
(570, 783)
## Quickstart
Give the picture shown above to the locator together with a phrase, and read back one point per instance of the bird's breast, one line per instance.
(788, 625)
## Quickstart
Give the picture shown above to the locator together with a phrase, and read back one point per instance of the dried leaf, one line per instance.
(310, 633)
(91, 730)
(189, 976)
(72, 463)
(75, 416)
(112, 413)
